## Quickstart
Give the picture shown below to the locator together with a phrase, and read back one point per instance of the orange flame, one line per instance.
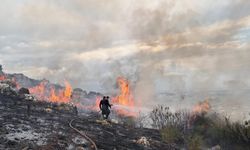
(61, 96)
(202, 107)
(68, 90)
(97, 102)
(13, 80)
(2, 77)
(53, 97)
(39, 90)
(125, 98)
(16, 83)
(124, 101)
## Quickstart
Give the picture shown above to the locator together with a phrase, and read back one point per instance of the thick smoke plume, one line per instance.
(173, 52)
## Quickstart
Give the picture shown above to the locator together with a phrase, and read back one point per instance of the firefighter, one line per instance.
(75, 110)
(105, 107)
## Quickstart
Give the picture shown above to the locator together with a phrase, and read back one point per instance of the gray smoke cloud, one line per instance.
(162, 47)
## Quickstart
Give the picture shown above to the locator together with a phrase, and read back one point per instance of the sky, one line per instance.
(160, 46)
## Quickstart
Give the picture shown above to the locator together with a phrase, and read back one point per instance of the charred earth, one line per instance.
(26, 123)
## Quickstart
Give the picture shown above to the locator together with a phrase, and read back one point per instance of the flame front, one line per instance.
(124, 103)
(125, 98)
(60, 96)
(68, 90)
(39, 90)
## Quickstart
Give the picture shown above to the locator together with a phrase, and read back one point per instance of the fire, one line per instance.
(2, 77)
(16, 83)
(13, 80)
(51, 94)
(97, 102)
(53, 97)
(62, 96)
(202, 107)
(124, 103)
(125, 98)
(39, 90)
(68, 90)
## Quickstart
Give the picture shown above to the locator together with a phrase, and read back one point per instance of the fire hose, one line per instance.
(82, 134)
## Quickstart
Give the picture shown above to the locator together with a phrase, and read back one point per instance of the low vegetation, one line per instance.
(203, 130)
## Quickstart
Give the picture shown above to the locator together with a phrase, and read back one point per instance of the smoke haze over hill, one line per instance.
(161, 46)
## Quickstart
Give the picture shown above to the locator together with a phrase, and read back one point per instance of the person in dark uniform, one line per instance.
(75, 110)
(105, 107)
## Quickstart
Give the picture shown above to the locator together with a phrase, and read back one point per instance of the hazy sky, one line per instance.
(159, 45)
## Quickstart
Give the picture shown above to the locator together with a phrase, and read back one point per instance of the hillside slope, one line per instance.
(29, 124)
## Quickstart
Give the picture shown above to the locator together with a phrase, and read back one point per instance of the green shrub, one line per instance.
(215, 134)
(194, 142)
(171, 134)
(225, 133)
(193, 130)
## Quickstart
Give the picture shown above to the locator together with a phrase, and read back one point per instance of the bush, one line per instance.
(194, 142)
(201, 123)
(171, 134)
(192, 130)
(162, 117)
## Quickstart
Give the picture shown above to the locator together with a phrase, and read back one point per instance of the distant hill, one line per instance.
(78, 94)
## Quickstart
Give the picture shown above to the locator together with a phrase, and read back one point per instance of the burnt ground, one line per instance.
(46, 127)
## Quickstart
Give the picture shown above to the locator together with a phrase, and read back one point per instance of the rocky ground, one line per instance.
(26, 123)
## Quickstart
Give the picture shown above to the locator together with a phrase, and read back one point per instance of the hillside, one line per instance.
(29, 124)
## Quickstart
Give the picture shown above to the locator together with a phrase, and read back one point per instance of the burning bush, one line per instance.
(202, 107)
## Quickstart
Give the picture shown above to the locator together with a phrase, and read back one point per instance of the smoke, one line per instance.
(168, 50)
